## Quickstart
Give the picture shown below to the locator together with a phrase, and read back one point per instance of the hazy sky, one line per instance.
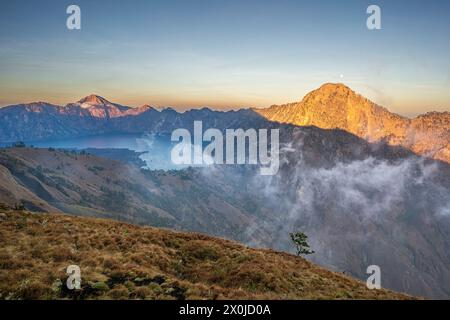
(225, 54)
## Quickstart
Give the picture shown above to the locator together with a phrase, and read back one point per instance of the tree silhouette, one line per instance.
(300, 241)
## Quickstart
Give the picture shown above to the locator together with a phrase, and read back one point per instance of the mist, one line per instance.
(361, 212)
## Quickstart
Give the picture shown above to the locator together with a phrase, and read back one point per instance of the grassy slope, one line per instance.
(83, 184)
(120, 260)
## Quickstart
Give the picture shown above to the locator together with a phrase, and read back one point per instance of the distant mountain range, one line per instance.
(94, 115)
(331, 106)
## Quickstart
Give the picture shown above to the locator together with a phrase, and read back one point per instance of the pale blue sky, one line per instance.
(225, 54)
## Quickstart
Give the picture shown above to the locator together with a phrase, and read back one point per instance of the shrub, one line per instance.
(119, 292)
(19, 206)
(100, 286)
(141, 292)
(6, 261)
(62, 254)
(111, 264)
(33, 290)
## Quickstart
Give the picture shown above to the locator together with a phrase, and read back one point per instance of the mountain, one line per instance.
(337, 106)
(94, 100)
(363, 197)
(393, 212)
(359, 203)
(429, 134)
(82, 184)
(95, 115)
(332, 106)
(99, 107)
(123, 261)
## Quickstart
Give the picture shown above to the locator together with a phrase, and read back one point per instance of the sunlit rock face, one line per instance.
(337, 106)
(99, 107)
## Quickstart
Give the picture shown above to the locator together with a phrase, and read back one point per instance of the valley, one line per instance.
(381, 226)
(364, 196)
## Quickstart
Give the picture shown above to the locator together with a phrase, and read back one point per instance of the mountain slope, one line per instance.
(360, 204)
(82, 184)
(123, 261)
(337, 106)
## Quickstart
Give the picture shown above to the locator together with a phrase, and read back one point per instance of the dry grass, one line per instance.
(123, 261)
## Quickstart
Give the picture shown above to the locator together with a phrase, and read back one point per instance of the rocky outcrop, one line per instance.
(337, 106)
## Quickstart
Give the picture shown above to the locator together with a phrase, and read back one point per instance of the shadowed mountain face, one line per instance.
(337, 106)
(94, 115)
(361, 211)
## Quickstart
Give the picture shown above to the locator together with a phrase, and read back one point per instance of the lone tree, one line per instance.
(299, 240)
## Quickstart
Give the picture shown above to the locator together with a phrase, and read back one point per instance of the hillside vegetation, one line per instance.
(59, 181)
(124, 261)
(396, 222)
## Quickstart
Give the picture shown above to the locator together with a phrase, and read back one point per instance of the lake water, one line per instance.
(157, 148)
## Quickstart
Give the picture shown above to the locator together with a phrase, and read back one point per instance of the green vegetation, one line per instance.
(19, 206)
(300, 241)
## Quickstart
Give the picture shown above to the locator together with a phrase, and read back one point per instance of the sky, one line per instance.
(225, 54)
